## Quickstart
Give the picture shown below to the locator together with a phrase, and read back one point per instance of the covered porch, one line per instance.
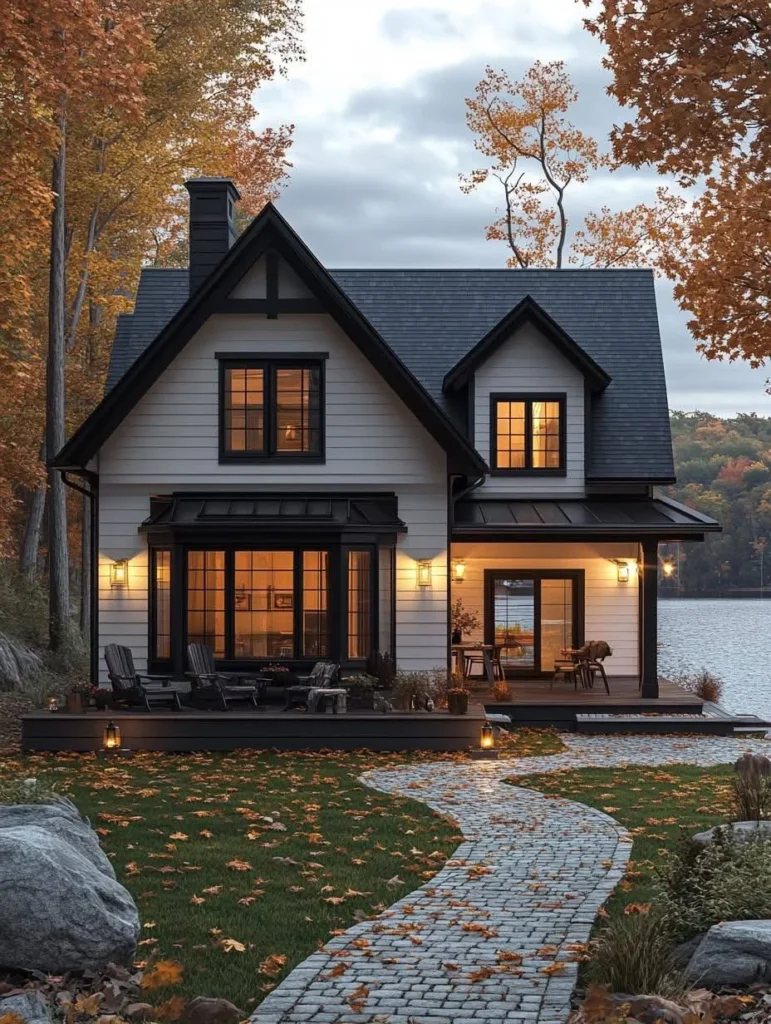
(537, 578)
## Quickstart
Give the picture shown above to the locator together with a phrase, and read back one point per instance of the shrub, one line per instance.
(633, 954)
(413, 688)
(501, 691)
(728, 880)
(26, 791)
(704, 684)
(752, 787)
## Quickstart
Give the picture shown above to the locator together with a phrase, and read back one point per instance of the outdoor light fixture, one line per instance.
(487, 739)
(667, 567)
(119, 573)
(458, 570)
(111, 736)
(424, 572)
(53, 703)
(622, 571)
(486, 750)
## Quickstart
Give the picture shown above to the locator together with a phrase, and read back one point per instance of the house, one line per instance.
(293, 463)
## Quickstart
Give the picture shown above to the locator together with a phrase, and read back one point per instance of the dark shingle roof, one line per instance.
(431, 318)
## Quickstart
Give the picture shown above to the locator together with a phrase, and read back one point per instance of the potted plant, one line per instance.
(462, 621)
(361, 691)
(457, 699)
(78, 696)
(383, 668)
(412, 690)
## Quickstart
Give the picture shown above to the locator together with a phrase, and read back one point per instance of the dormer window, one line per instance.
(527, 434)
(271, 409)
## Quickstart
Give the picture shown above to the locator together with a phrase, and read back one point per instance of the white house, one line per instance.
(293, 463)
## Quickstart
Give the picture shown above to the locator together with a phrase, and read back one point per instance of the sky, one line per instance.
(380, 139)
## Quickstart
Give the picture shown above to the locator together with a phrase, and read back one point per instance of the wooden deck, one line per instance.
(267, 729)
(535, 702)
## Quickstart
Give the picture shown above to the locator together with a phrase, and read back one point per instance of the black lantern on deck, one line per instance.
(487, 739)
(111, 737)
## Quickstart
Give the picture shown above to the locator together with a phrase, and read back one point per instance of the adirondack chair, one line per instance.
(134, 690)
(323, 674)
(209, 684)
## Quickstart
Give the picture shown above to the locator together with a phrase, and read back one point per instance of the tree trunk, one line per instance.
(58, 559)
(32, 530)
(85, 572)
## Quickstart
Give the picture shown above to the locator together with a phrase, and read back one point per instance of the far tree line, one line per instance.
(723, 468)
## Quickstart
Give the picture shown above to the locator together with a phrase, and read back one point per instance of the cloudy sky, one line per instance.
(380, 138)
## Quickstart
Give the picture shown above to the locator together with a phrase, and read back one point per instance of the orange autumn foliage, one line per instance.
(696, 76)
(536, 154)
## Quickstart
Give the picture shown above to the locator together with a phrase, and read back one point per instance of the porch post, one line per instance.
(649, 609)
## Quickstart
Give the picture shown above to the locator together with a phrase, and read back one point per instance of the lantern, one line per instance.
(487, 739)
(458, 570)
(668, 567)
(119, 573)
(622, 572)
(424, 572)
(53, 703)
(111, 736)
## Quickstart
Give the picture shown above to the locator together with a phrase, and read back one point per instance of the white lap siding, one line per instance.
(169, 442)
(611, 612)
(529, 362)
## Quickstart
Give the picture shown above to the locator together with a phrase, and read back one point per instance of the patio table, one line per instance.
(459, 658)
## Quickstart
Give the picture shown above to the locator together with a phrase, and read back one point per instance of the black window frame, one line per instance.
(528, 398)
(269, 364)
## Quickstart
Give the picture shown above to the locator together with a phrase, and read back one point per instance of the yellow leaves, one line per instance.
(179, 836)
(556, 968)
(162, 974)
(314, 838)
(238, 865)
(273, 965)
(232, 946)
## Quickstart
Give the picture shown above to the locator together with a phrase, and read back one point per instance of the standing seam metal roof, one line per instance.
(432, 318)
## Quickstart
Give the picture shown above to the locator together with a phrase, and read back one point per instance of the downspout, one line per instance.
(92, 493)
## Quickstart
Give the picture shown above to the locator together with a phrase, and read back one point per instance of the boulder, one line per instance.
(682, 953)
(31, 1007)
(740, 830)
(61, 907)
(208, 1010)
(732, 953)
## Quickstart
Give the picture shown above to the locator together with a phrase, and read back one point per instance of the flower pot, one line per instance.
(74, 703)
(457, 636)
(361, 699)
(457, 702)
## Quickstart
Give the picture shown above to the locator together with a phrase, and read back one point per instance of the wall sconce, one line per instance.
(119, 573)
(458, 570)
(622, 572)
(424, 572)
(668, 567)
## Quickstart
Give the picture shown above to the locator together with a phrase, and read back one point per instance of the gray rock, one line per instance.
(732, 953)
(210, 1010)
(741, 830)
(682, 954)
(61, 907)
(30, 1006)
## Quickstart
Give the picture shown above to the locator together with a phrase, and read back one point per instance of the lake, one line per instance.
(730, 638)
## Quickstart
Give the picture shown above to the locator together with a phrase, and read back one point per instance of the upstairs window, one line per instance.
(271, 409)
(527, 434)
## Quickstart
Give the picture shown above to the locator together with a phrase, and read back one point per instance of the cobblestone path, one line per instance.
(492, 937)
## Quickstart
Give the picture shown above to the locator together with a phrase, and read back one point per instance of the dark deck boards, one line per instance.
(193, 730)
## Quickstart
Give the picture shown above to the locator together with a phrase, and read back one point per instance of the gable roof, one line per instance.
(431, 319)
(526, 311)
(268, 231)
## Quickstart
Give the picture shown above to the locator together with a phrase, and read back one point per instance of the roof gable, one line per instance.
(268, 233)
(526, 311)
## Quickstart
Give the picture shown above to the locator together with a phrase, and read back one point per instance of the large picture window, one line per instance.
(206, 600)
(271, 409)
(359, 604)
(527, 433)
(161, 575)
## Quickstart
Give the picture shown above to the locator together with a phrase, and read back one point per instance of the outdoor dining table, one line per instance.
(459, 659)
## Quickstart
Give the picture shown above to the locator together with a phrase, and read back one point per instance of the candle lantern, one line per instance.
(111, 736)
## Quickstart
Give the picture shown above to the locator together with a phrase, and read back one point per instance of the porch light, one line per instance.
(458, 570)
(487, 739)
(668, 567)
(622, 572)
(119, 573)
(111, 736)
(424, 572)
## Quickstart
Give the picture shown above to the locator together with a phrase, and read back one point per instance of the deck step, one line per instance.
(714, 725)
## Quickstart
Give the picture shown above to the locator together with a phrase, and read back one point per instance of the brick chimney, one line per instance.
(212, 230)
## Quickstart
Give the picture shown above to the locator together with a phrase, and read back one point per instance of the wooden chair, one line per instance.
(567, 669)
(322, 675)
(593, 655)
(132, 689)
(209, 684)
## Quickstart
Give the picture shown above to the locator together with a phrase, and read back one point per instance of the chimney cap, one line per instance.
(194, 184)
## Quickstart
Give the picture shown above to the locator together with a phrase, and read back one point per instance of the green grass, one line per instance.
(274, 851)
(655, 804)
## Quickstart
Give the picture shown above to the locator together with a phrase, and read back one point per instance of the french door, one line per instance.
(532, 615)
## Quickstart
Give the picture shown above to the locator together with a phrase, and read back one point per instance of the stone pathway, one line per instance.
(493, 936)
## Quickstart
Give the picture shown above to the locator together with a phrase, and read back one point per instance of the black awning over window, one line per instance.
(370, 513)
(595, 518)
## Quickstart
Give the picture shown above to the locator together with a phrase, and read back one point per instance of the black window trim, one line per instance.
(269, 363)
(528, 397)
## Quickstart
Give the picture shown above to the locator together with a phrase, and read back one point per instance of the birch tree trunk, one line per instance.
(33, 528)
(58, 558)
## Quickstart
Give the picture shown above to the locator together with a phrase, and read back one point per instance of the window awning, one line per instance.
(300, 513)
(595, 518)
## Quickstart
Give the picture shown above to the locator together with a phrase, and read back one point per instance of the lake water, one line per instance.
(730, 638)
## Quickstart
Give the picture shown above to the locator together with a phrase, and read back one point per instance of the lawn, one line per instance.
(656, 804)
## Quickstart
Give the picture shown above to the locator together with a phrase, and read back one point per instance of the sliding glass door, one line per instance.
(533, 615)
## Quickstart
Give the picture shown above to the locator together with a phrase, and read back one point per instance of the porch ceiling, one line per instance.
(597, 518)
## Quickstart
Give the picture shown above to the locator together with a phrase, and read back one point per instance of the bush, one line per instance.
(752, 787)
(728, 880)
(703, 683)
(633, 954)
(26, 791)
